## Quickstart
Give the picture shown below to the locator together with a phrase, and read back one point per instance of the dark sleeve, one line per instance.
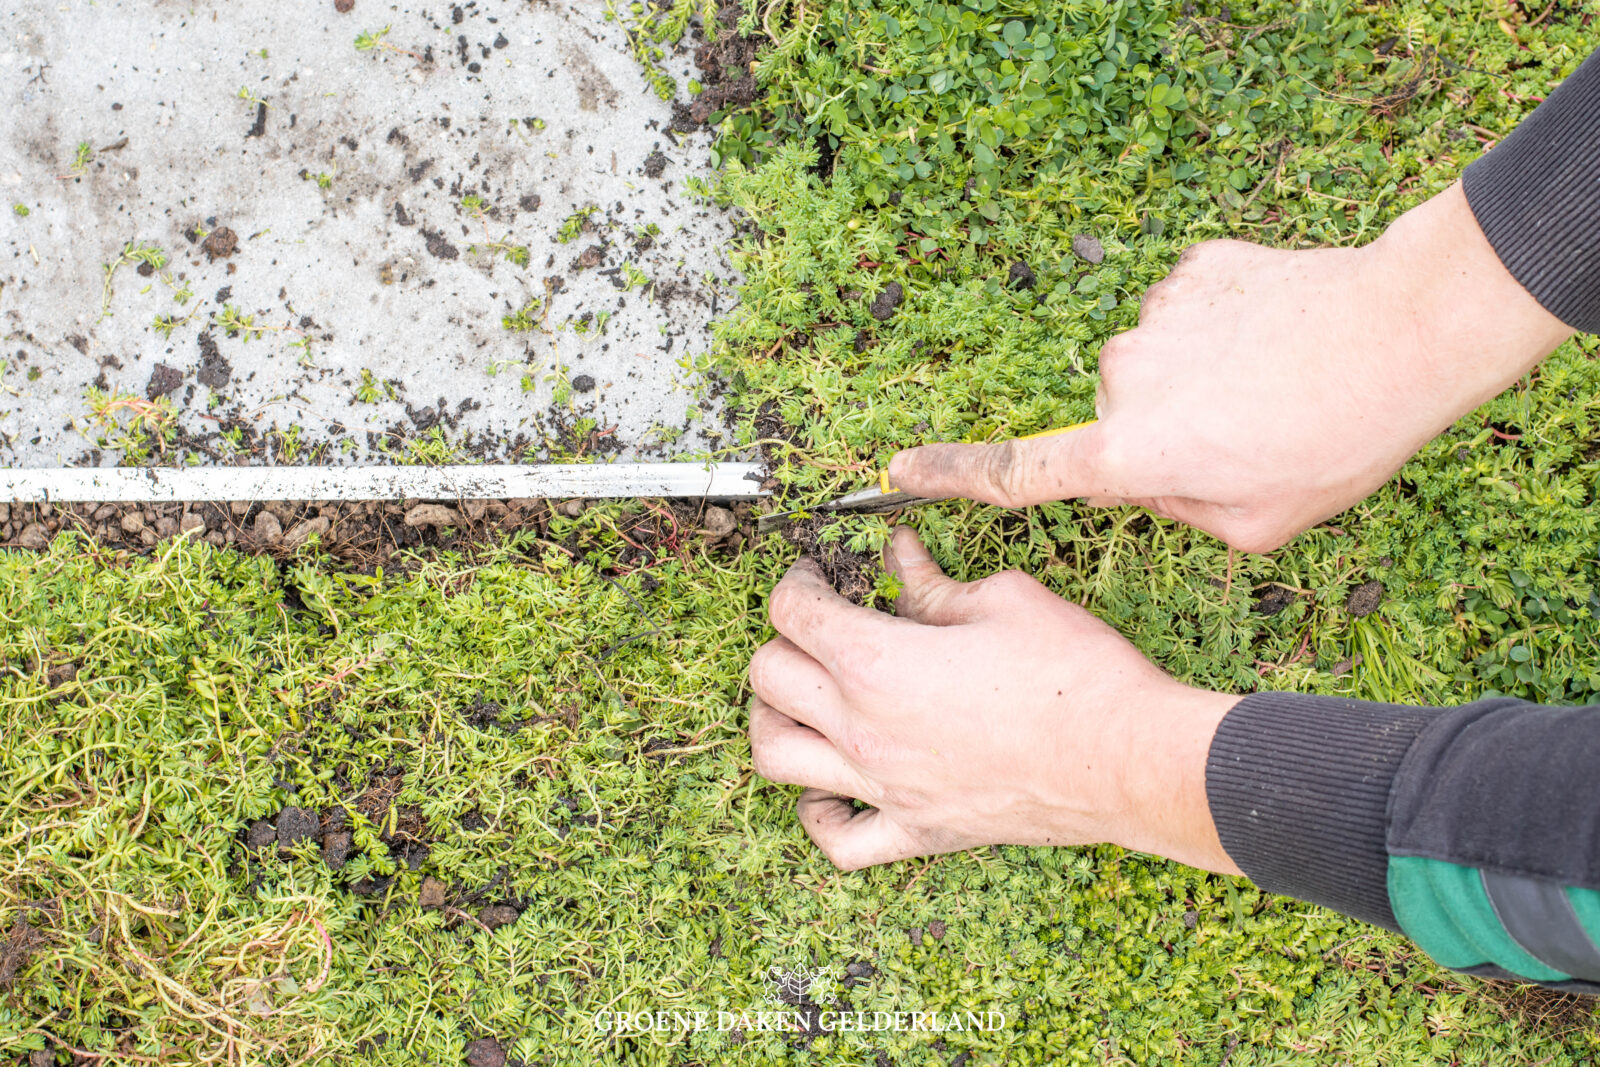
(1473, 830)
(1536, 196)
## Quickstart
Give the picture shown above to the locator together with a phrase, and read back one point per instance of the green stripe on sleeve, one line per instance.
(1444, 909)
(1586, 902)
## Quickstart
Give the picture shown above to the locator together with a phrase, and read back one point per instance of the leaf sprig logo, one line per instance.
(792, 986)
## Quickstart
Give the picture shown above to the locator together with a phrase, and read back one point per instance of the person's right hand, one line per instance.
(1267, 390)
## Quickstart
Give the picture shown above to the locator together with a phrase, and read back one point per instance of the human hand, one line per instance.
(1266, 390)
(989, 712)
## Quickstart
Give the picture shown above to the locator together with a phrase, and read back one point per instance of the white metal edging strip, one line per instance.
(719, 481)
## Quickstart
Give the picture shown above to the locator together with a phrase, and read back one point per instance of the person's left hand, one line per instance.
(990, 712)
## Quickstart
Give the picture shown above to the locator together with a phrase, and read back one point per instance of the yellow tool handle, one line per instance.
(883, 475)
(1057, 429)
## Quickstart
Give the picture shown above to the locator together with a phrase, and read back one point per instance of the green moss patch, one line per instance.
(266, 812)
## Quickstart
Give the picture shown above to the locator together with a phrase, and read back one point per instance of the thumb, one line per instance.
(852, 839)
(1013, 474)
(926, 595)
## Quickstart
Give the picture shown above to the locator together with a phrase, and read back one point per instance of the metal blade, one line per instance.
(869, 501)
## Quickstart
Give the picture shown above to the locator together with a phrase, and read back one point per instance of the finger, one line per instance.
(1012, 473)
(1155, 299)
(806, 609)
(797, 685)
(1229, 524)
(1160, 297)
(926, 595)
(792, 753)
(852, 839)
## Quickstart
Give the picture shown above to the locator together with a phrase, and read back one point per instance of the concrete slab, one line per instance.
(472, 229)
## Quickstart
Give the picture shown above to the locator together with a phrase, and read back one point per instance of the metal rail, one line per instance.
(716, 481)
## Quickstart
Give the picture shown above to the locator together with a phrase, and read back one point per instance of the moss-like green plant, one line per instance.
(554, 723)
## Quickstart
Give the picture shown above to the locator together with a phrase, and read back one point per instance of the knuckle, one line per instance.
(1108, 454)
(1116, 358)
(1258, 534)
(1010, 584)
(1003, 472)
(1201, 252)
(1155, 298)
(834, 850)
(1262, 539)
(856, 665)
(847, 859)
(863, 749)
(764, 759)
(1116, 349)
(759, 666)
(784, 606)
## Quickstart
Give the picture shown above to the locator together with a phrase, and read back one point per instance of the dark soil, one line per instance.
(1365, 598)
(438, 247)
(344, 7)
(583, 383)
(260, 835)
(655, 164)
(163, 380)
(296, 825)
(220, 243)
(683, 120)
(486, 1052)
(336, 848)
(884, 304)
(361, 534)
(1274, 599)
(725, 69)
(432, 893)
(16, 949)
(852, 574)
(1020, 276)
(404, 832)
(215, 370)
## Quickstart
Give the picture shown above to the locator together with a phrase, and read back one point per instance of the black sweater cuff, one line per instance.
(1299, 791)
(1536, 195)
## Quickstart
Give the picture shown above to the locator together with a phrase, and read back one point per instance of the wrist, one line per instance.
(1469, 327)
(1164, 745)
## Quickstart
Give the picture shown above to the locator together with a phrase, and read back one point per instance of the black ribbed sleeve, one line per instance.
(1537, 197)
(1299, 791)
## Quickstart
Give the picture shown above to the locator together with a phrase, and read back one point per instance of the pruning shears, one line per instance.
(881, 498)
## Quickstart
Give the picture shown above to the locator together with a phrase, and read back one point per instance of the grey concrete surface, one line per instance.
(375, 290)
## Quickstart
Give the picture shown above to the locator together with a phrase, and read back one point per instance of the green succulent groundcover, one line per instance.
(536, 746)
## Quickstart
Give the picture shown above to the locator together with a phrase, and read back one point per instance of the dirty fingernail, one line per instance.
(907, 546)
(901, 464)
